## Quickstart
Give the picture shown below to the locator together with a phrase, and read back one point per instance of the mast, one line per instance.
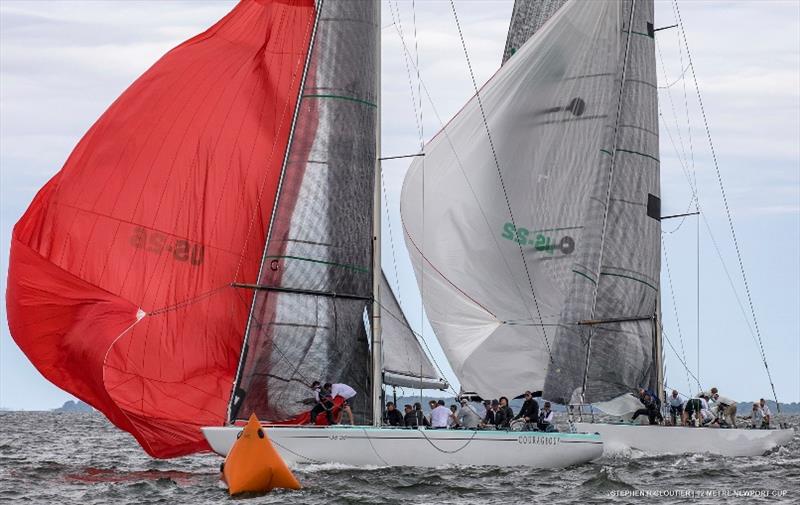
(377, 365)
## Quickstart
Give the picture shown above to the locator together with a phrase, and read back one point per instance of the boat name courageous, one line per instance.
(536, 440)
(538, 239)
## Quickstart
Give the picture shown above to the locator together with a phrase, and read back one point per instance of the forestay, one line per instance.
(506, 233)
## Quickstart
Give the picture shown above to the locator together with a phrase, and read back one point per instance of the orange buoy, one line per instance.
(253, 465)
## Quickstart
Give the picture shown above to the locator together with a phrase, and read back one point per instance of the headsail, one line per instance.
(120, 271)
(506, 237)
(404, 362)
(310, 320)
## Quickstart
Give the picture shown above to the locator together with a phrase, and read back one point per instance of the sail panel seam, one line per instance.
(324, 262)
(606, 151)
(342, 97)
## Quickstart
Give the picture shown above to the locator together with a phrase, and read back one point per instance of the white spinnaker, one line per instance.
(546, 109)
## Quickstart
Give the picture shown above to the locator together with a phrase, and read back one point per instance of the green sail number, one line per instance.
(539, 241)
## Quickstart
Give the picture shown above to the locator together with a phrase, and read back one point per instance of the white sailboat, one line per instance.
(548, 243)
(318, 313)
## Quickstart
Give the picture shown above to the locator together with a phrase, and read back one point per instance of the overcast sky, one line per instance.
(63, 63)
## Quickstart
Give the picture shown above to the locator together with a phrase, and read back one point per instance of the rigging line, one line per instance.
(679, 357)
(420, 338)
(671, 102)
(691, 186)
(727, 209)
(675, 306)
(695, 193)
(679, 78)
(391, 242)
(469, 441)
(469, 185)
(398, 24)
(686, 109)
(418, 119)
(608, 195)
(419, 80)
(500, 173)
(421, 149)
(684, 216)
(697, 197)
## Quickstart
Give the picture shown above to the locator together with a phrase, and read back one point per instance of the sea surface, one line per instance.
(66, 458)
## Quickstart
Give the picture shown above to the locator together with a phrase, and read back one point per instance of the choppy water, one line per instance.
(48, 458)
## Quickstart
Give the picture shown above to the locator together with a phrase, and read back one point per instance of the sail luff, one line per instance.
(235, 399)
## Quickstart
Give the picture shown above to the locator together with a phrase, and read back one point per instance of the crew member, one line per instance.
(545, 422)
(530, 409)
(346, 393)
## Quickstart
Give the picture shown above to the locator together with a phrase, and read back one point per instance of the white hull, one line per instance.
(367, 446)
(654, 440)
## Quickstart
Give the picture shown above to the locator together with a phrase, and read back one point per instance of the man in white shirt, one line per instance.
(467, 416)
(725, 409)
(345, 392)
(767, 414)
(676, 408)
(756, 417)
(706, 416)
(440, 415)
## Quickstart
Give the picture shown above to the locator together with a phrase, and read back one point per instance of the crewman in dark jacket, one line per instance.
(410, 417)
(324, 403)
(393, 416)
(650, 410)
(490, 419)
(530, 409)
(420, 415)
(504, 414)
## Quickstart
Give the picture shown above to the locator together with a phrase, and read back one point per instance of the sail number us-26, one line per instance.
(159, 243)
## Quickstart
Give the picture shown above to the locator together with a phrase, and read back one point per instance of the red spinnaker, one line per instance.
(119, 279)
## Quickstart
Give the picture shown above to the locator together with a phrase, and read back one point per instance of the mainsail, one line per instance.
(119, 283)
(310, 319)
(518, 234)
(404, 361)
(526, 19)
